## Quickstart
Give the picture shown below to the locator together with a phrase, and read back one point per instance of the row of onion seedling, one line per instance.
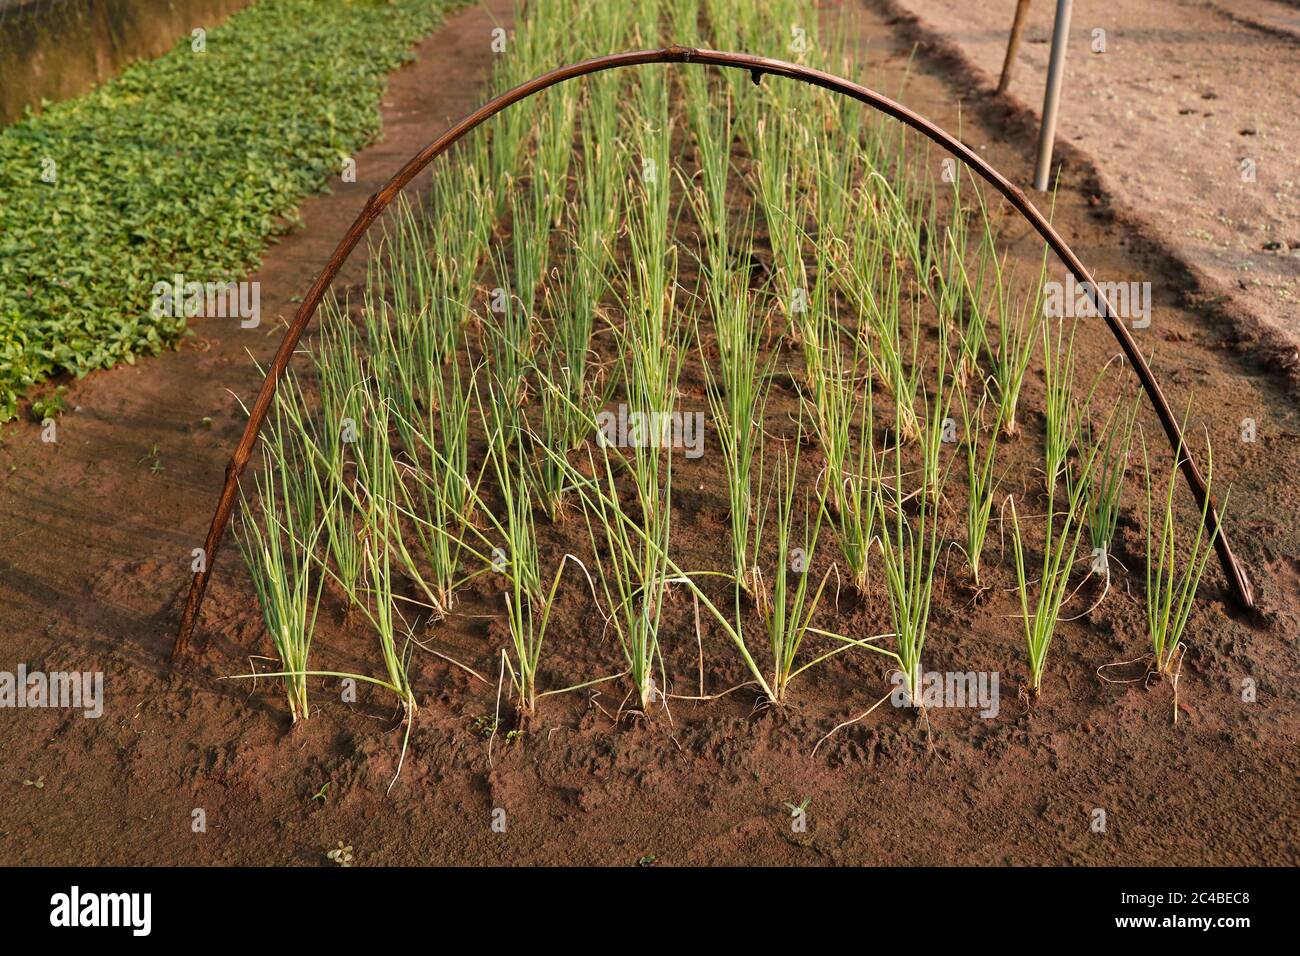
(455, 413)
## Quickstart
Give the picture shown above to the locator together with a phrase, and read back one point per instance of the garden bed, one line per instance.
(699, 781)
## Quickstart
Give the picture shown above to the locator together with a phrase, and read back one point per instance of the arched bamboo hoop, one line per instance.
(758, 67)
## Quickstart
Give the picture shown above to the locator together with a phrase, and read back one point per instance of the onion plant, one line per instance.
(842, 409)
(631, 566)
(650, 339)
(281, 555)
(712, 126)
(1063, 529)
(568, 356)
(507, 544)
(1017, 336)
(376, 495)
(278, 554)
(1106, 489)
(737, 392)
(280, 560)
(634, 577)
(974, 327)
(529, 245)
(435, 489)
(1173, 574)
(374, 595)
(788, 612)
(1059, 405)
(684, 19)
(855, 515)
(981, 481)
(837, 160)
(540, 207)
(596, 215)
(435, 254)
(340, 375)
(528, 606)
(725, 20)
(946, 284)
(779, 162)
(830, 377)
(909, 542)
(508, 340)
(557, 428)
(873, 280)
(381, 607)
(634, 571)
(554, 153)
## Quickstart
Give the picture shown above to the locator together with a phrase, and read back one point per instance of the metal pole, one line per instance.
(1013, 44)
(1052, 98)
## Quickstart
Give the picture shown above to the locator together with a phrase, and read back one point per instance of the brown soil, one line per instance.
(96, 561)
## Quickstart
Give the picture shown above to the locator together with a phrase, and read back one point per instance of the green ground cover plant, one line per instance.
(184, 164)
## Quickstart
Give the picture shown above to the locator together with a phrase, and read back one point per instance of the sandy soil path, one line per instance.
(1188, 117)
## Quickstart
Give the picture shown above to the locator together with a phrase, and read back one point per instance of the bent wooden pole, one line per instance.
(1013, 44)
(758, 67)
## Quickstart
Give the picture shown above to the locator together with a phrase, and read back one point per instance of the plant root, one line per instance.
(847, 723)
